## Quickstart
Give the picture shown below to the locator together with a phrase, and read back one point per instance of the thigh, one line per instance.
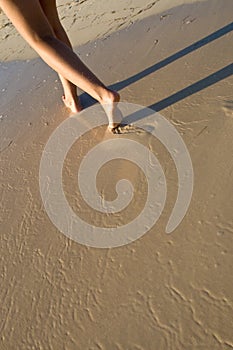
(28, 18)
(50, 10)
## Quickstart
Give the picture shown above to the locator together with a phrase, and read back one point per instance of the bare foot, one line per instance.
(109, 104)
(72, 103)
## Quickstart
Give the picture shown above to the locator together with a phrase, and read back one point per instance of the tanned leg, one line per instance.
(29, 19)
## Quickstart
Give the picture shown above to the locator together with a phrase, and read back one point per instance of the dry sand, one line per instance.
(161, 291)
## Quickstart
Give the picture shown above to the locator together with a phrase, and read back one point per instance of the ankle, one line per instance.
(70, 96)
(109, 96)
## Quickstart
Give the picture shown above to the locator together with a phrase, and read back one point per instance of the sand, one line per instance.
(161, 291)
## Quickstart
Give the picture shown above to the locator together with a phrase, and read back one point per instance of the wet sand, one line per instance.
(161, 291)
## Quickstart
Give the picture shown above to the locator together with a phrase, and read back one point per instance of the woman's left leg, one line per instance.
(70, 97)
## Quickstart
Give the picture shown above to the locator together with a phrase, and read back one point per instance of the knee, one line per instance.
(59, 31)
(42, 38)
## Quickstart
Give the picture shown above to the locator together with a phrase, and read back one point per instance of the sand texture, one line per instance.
(163, 291)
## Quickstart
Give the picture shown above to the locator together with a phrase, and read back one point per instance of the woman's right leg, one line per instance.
(31, 22)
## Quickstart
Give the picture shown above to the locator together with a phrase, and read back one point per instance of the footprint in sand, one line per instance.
(132, 129)
(228, 108)
(162, 17)
(127, 129)
(188, 20)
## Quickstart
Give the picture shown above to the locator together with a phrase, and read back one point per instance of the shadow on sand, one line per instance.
(182, 94)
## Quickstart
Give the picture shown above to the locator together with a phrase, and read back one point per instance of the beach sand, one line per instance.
(162, 291)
